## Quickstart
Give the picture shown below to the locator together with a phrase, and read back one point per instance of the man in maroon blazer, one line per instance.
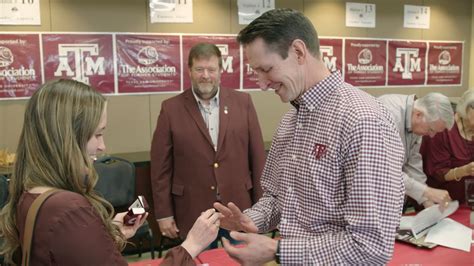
(207, 147)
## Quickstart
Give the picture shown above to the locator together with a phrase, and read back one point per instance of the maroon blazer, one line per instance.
(186, 172)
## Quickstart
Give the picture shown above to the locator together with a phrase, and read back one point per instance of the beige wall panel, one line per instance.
(270, 110)
(234, 22)
(209, 16)
(45, 21)
(128, 127)
(155, 107)
(450, 20)
(389, 20)
(328, 16)
(11, 119)
(98, 15)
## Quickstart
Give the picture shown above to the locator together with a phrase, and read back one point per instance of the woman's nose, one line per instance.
(101, 146)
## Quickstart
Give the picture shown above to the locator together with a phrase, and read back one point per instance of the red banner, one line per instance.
(331, 53)
(230, 50)
(444, 63)
(20, 65)
(250, 78)
(406, 62)
(148, 63)
(365, 62)
(158, 62)
(83, 57)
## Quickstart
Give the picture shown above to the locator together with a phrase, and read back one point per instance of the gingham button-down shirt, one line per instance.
(333, 179)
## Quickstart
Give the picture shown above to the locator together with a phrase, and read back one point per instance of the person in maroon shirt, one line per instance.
(63, 130)
(448, 157)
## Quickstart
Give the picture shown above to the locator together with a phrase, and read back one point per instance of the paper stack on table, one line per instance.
(439, 229)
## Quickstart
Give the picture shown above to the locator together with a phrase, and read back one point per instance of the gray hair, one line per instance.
(436, 106)
(466, 101)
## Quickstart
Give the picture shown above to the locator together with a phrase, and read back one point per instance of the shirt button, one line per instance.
(213, 188)
(311, 107)
(216, 165)
(300, 126)
(290, 189)
(283, 221)
(293, 157)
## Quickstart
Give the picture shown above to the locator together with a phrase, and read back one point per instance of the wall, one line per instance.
(132, 119)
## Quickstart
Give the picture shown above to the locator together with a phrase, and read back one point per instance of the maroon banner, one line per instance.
(406, 63)
(20, 65)
(148, 63)
(365, 62)
(331, 53)
(230, 50)
(250, 77)
(83, 57)
(444, 63)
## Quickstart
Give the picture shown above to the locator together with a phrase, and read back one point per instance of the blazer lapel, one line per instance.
(224, 113)
(193, 110)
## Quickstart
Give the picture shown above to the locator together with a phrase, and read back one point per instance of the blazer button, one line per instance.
(213, 188)
(216, 165)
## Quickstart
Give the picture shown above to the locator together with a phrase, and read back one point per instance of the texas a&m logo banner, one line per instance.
(134, 63)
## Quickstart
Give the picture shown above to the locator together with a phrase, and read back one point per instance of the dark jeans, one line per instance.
(222, 233)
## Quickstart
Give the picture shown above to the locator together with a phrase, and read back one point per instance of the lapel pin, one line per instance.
(226, 111)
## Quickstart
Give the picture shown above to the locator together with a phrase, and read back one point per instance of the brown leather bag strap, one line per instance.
(30, 224)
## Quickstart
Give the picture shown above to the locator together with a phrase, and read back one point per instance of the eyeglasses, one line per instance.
(210, 70)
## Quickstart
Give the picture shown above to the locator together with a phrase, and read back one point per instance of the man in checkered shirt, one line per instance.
(333, 178)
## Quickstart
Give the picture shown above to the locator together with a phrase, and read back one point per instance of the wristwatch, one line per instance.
(277, 253)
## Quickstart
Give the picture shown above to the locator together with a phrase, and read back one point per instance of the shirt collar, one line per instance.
(213, 101)
(318, 94)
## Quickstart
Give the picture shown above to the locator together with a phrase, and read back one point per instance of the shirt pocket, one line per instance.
(320, 190)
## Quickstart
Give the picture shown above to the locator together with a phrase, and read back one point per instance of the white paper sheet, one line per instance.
(406, 222)
(452, 234)
(429, 217)
(360, 15)
(417, 17)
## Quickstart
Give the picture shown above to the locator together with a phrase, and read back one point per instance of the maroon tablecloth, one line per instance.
(404, 254)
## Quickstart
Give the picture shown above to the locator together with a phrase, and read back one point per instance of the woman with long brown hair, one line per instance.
(63, 129)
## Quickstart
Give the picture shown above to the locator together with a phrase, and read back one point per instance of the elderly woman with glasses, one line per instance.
(448, 157)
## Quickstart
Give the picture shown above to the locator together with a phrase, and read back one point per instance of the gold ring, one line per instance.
(163, 233)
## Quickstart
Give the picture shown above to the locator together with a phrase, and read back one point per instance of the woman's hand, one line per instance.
(466, 170)
(203, 232)
(129, 230)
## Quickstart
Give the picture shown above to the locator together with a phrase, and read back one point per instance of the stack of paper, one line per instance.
(439, 229)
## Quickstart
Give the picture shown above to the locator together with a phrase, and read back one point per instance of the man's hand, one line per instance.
(168, 227)
(428, 203)
(234, 219)
(258, 249)
(438, 196)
